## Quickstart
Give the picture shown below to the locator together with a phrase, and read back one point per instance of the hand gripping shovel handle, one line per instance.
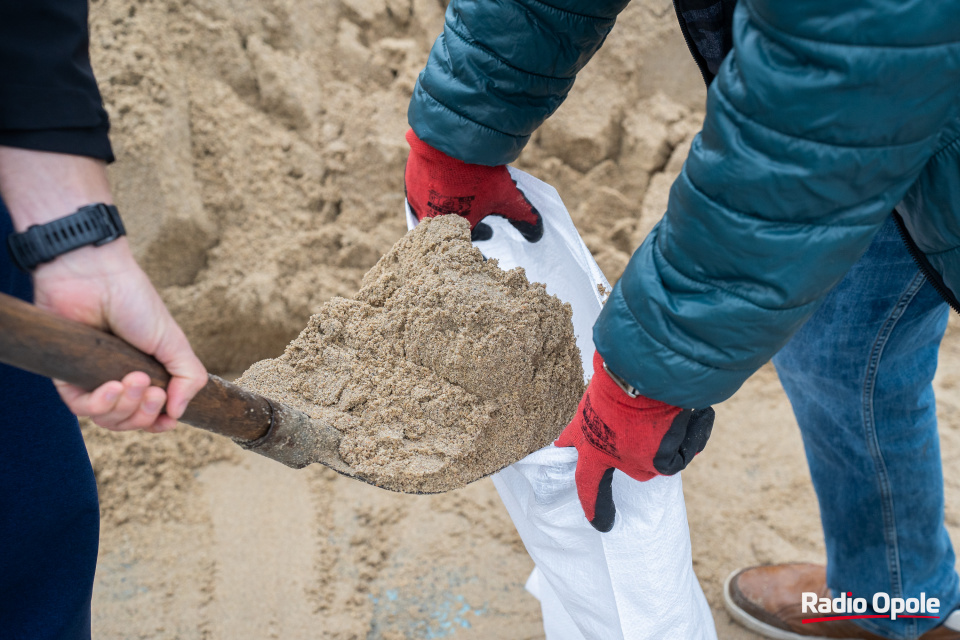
(46, 344)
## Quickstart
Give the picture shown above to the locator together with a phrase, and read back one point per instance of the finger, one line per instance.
(530, 224)
(144, 416)
(530, 232)
(687, 436)
(163, 424)
(523, 216)
(571, 436)
(134, 386)
(182, 389)
(82, 403)
(189, 374)
(698, 432)
(595, 490)
(481, 232)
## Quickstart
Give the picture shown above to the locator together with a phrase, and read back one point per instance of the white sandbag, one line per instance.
(637, 581)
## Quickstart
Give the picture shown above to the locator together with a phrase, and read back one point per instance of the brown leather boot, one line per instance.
(767, 600)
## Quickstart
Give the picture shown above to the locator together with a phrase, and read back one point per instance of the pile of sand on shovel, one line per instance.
(442, 370)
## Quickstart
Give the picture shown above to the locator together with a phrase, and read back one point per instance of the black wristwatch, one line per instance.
(95, 224)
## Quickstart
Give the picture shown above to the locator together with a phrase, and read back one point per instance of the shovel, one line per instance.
(51, 346)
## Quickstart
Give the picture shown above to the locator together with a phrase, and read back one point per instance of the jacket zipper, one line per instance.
(931, 274)
(699, 59)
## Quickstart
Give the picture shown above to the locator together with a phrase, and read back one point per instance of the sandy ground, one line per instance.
(245, 548)
(260, 152)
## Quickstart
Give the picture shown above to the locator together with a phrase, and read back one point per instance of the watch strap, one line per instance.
(95, 224)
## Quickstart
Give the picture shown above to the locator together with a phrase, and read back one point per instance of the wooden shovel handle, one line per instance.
(46, 344)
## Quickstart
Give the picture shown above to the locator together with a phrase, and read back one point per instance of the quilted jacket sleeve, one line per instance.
(500, 68)
(817, 123)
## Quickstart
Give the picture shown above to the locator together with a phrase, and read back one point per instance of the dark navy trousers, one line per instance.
(49, 516)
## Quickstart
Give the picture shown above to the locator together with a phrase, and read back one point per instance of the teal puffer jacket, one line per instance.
(822, 118)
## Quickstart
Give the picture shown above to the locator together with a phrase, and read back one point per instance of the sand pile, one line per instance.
(260, 148)
(441, 370)
(260, 160)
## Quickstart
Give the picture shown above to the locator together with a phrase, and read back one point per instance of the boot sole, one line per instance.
(746, 620)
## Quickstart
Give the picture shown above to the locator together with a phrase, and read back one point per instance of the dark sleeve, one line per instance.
(49, 99)
(500, 68)
(817, 124)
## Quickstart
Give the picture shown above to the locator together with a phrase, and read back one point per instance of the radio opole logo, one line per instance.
(846, 607)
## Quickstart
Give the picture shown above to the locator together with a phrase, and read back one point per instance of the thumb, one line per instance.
(595, 489)
(188, 373)
(686, 438)
(521, 214)
(481, 231)
(571, 437)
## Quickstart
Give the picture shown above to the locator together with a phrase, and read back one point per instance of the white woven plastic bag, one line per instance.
(637, 581)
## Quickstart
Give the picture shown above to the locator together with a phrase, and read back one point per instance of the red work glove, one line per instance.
(437, 184)
(641, 437)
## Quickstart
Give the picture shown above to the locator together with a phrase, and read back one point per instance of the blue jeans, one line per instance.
(49, 516)
(859, 376)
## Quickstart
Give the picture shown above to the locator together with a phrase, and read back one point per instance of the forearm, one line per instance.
(53, 154)
(802, 158)
(101, 286)
(39, 186)
(500, 69)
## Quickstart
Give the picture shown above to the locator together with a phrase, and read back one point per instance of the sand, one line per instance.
(261, 148)
(441, 370)
(260, 155)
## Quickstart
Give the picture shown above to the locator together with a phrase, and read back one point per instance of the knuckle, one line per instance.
(104, 422)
